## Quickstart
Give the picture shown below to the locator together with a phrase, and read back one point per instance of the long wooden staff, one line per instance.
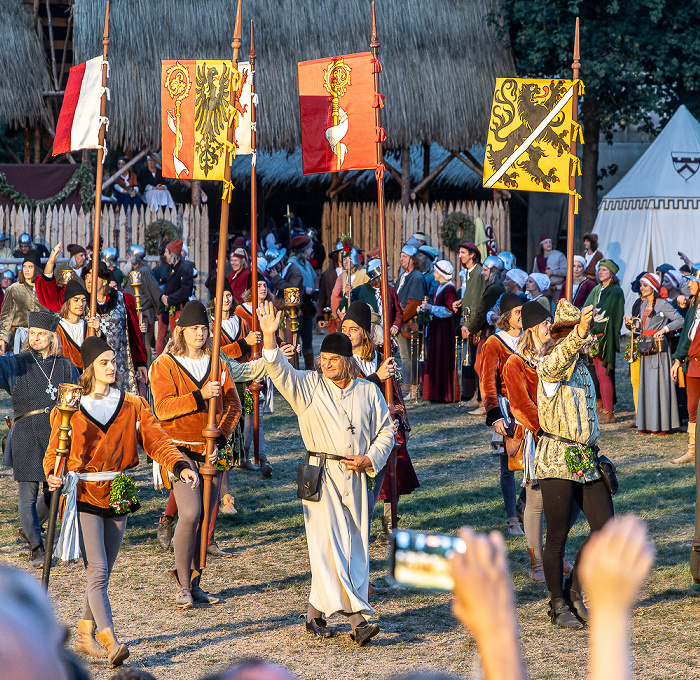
(67, 402)
(211, 431)
(572, 176)
(98, 176)
(384, 276)
(256, 385)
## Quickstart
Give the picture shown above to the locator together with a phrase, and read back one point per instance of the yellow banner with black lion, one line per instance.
(530, 135)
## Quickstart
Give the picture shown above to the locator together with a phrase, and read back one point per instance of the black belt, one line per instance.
(564, 440)
(33, 413)
(326, 456)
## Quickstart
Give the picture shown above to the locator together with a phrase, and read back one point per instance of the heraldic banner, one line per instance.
(195, 112)
(336, 102)
(529, 138)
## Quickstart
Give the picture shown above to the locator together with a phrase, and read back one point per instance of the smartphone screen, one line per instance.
(421, 559)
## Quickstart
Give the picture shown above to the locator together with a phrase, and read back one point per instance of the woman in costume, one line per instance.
(582, 285)
(32, 378)
(181, 389)
(357, 325)
(536, 287)
(106, 434)
(439, 378)
(657, 409)
(609, 300)
(494, 354)
(565, 458)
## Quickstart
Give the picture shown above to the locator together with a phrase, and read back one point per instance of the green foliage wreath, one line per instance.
(81, 178)
(457, 227)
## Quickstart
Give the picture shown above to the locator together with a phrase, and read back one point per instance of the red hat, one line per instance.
(373, 254)
(468, 245)
(239, 241)
(175, 247)
(300, 242)
(652, 280)
(544, 237)
(240, 252)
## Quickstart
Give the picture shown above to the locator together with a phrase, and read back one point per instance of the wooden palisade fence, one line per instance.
(401, 223)
(119, 228)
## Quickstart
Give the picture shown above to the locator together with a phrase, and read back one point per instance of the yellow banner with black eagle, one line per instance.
(530, 135)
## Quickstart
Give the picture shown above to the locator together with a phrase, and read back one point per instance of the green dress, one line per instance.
(611, 300)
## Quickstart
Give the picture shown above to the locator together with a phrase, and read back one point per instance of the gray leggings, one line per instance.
(186, 539)
(100, 540)
(33, 514)
(533, 519)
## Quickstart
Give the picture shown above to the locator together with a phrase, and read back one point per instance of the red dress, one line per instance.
(439, 377)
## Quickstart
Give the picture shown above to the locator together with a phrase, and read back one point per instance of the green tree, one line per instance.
(639, 58)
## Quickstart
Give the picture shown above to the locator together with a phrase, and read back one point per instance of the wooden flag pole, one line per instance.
(572, 176)
(98, 176)
(211, 432)
(384, 276)
(256, 385)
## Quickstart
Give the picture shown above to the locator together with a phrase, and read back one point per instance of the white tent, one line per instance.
(654, 210)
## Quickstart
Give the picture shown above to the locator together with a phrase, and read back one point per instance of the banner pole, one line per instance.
(211, 431)
(576, 65)
(384, 276)
(98, 176)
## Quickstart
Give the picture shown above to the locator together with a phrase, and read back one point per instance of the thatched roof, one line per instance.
(440, 60)
(282, 170)
(24, 74)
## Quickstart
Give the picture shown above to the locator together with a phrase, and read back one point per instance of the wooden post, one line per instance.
(572, 176)
(256, 385)
(384, 277)
(98, 176)
(211, 431)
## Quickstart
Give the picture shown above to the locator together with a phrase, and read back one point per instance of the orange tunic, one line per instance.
(521, 381)
(112, 447)
(494, 355)
(181, 408)
(68, 347)
(236, 348)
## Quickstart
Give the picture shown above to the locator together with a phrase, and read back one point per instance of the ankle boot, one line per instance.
(561, 615)
(116, 652)
(86, 643)
(577, 605)
(689, 455)
(183, 595)
(536, 572)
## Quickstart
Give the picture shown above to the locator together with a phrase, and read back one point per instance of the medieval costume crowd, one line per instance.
(502, 342)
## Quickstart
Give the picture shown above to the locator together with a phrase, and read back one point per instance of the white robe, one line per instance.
(337, 526)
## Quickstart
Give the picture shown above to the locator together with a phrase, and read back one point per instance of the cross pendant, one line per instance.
(51, 391)
(351, 428)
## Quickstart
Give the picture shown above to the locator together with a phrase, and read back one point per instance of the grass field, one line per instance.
(265, 584)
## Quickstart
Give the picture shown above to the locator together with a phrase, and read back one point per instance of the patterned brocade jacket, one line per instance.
(566, 407)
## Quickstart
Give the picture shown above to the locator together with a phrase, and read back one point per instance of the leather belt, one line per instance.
(33, 413)
(326, 456)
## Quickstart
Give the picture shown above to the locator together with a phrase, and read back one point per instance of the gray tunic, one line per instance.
(20, 299)
(657, 409)
(337, 526)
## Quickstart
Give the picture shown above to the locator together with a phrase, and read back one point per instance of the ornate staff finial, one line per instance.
(236, 44)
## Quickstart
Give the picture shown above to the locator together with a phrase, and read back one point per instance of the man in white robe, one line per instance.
(343, 416)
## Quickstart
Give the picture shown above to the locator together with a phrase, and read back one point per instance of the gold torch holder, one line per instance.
(67, 275)
(67, 403)
(292, 301)
(135, 283)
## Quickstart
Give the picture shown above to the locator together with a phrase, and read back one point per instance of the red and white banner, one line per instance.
(79, 123)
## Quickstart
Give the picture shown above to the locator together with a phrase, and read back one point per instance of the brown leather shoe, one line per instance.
(376, 590)
(606, 418)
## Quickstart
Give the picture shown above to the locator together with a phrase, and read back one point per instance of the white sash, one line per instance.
(68, 545)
